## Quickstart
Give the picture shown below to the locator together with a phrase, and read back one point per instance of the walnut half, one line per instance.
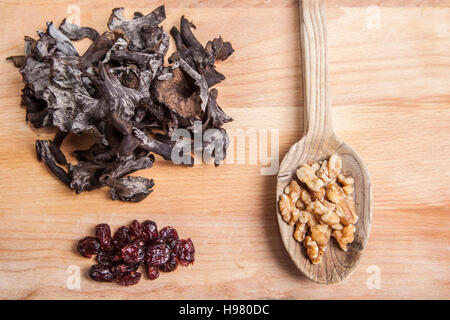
(344, 204)
(307, 175)
(288, 203)
(300, 231)
(321, 234)
(344, 236)
(312, 250)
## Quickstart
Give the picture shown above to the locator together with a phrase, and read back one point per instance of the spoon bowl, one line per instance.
(319, 143)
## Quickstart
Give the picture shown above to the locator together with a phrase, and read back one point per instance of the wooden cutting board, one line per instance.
(389, 65)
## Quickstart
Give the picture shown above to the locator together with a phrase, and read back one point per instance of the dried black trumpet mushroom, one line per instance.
(119, 91)
(74, 32)
(51, 157)
(132, 189)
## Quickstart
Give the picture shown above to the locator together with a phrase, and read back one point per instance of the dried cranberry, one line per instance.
(135, 228)
(116, 258)
(129, 279)
(157, 255)
(149, 231)
(185, 252)
(103, 233)
(88, 246)
(139, 242)
(101, 273)
(170, 265)
(121, 237)
(122, 269)
(152, 272)
(104, 258)
(110, 257)
(132, 253)
(169, 236)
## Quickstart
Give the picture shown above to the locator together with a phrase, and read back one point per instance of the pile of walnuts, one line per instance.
(321, 207)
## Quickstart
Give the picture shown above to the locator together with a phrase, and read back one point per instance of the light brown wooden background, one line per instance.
(390, 90)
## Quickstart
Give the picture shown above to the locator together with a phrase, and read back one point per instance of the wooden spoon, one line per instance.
(318, 143)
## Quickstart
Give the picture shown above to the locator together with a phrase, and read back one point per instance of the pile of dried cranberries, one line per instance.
(119, 257)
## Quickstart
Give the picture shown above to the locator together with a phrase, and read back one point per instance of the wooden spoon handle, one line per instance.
(317, 118)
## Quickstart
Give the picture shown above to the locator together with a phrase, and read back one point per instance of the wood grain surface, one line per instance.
(389, 67)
